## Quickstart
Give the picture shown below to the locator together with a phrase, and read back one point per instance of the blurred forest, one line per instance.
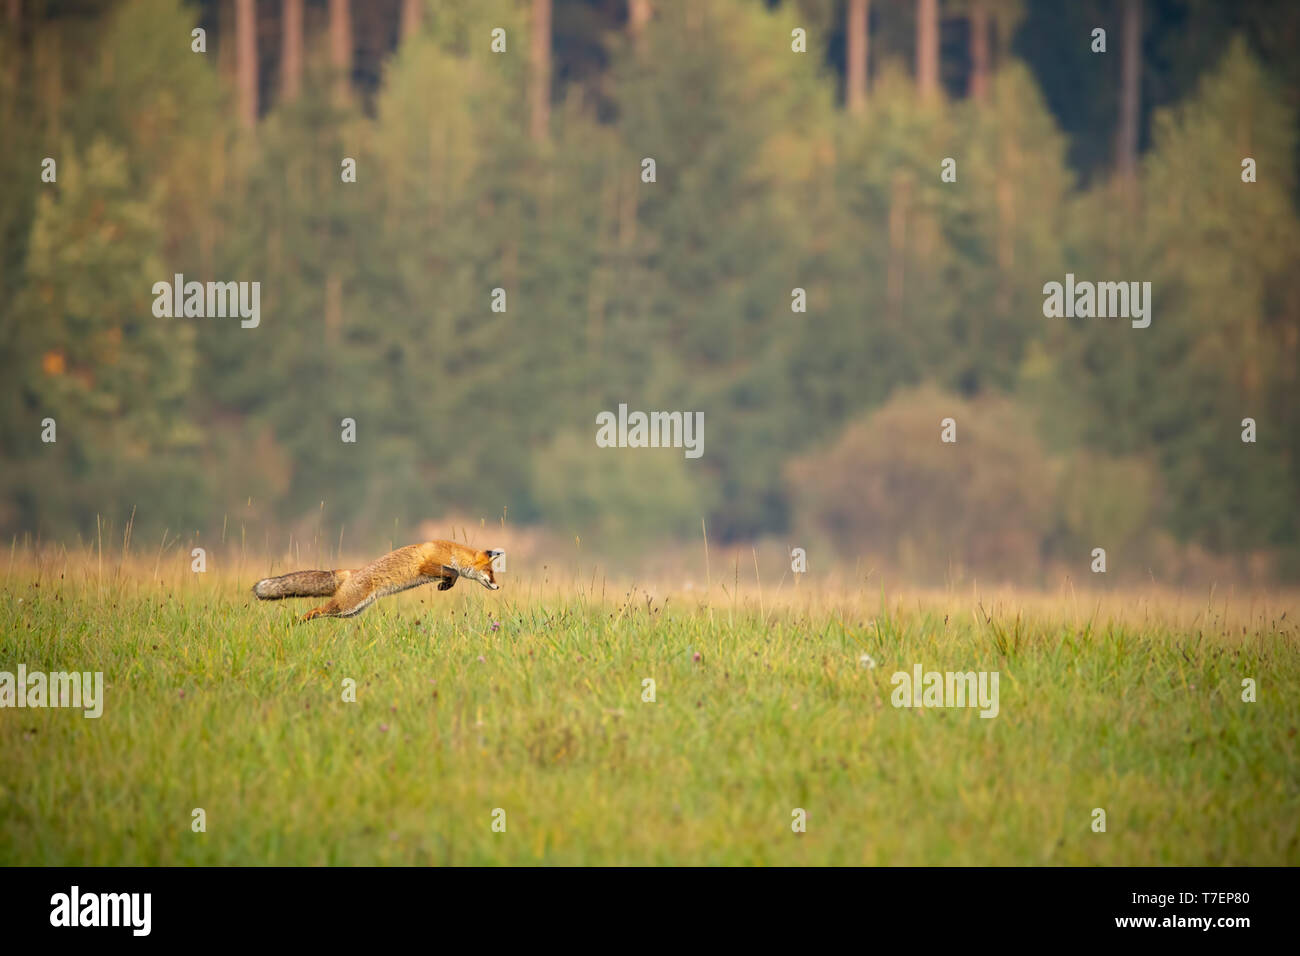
(775, 170)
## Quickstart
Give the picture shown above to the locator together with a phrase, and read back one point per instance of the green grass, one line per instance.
(218, 702)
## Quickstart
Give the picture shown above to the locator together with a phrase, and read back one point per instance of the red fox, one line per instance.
(351, 592)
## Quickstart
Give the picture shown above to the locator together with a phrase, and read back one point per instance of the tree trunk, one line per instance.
(1126, 144)
(412, 11)
(226, 51)
(246, 60)
(341, 63)
(927, 48)
(979, 50)
(859, 40)
(341, 47)
(540, 76)
(900, 199)
(13, 11)
(333, 309)
(47, 81)
(638, 15)
(291, 51)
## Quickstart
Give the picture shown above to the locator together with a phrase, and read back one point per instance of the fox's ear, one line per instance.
(492, 556)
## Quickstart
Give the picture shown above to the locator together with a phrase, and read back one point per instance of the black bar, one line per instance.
(970, 906)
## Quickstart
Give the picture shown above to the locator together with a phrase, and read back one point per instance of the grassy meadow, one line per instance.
(529, 700)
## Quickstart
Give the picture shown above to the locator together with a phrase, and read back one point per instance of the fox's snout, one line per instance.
(489, 577)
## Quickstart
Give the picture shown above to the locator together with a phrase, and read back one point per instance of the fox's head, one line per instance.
(481, 569)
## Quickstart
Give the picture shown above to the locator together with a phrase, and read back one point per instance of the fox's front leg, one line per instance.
(449, 577)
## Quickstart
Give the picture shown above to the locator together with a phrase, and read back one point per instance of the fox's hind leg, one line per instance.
(356, 594)
(329, 609)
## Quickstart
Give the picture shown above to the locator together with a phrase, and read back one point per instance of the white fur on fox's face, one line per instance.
(482, 577)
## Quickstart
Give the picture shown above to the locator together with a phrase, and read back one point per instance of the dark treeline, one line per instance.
(781, 179)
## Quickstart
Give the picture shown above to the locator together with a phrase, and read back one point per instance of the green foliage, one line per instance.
(1108, 502)
(1221, 256)
(376, 295)
(740, 134)
(889, 487)
(614, 499)
(96, 360)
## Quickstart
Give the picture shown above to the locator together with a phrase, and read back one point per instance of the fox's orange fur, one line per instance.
(351, 592)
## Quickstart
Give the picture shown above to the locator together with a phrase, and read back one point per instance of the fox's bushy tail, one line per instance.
(300, 584)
